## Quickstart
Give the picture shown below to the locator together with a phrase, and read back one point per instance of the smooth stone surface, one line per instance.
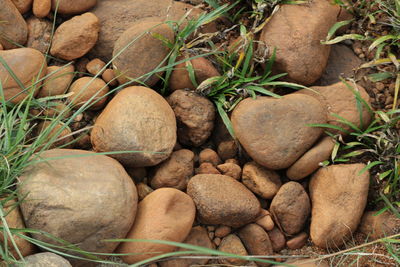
(46, 259)
(70, 7)
(88, 90)
(232, 244)
(57, 81)
(13, 28)
(378, 226)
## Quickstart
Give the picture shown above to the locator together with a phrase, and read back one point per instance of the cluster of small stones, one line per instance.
(189, 181)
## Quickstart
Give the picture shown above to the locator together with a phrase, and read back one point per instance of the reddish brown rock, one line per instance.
(70, 7)
(23, 6)
(39, 34)
(209, 156)
(306, 263)
(174, 172)
(266, 222)
(230, 169)
(232, 244)
(13, 28)
(223, 231)
(338, 195)
(41, 8)
(95, 66)
(195, 116)
(276, 132)
(143, 190)
(88, 91)
(277, 238)
(377, 226)
(311, 160)
(206, 168)
(291, 208)
(221, 199)
(57, 81)
(297, 241)
(165, 214)
(227, 149)
(109, 77)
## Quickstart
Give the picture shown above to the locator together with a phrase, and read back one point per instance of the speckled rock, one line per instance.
(46, 259)
(39, 34)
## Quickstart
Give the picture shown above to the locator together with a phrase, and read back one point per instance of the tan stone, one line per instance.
(109, 77)
(41, 8)
(57, 81)
(232, 244)
(377, 226)
(206, 168)
(297, 241)
(70, 7)
(210, 156)
(223, 231)
(23, 6)
(13, 28)
(95, 66)
(47, 259)
(277, 238)
(88, 90)
(56, 132)
(230, 169)
(39, 34)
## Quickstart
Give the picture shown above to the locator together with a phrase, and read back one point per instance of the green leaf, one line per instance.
(385, 174)
(192, 75)
(335, 151)
(377, 77)
(344, 37)
(370, 166)
(381, 40)
(336, 26)
(270, 62)
(225, 119)
(262, 91)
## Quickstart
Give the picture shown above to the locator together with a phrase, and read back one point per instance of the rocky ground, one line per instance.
(131, 161)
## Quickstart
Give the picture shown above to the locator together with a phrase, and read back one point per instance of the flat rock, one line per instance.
(276, 132)
(338, 195)
(12, 27)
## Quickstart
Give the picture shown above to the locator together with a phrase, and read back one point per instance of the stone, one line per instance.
(209, 156)
(203, 69)
(109, 77)
(57, 81)
(230, 169)
(138, 174)
(266, 222)
(227, 149)
(340, 100)
(306, 263)
(222, 231)
(221, 199)
(71, 7)
(23, 6)
(13, 28)
(143, 190)
(195, 116)
(28, 65)
(165, 214)
(256, 241)
(56, 133)
(198, 236)
(95, 66)
(89, 91)
(75, 37)
(297, 241)
(174, 172)
(377, 226)
(41, 8)
(39, 34)
(277, 238)
(78, 196)
(206, 168)
(291, 208)
(55, 108)
(260, 180)
(276, 132)
(311, 160)
(299, 51)
(46, 259)
(134, 60)
(339, 196)
(342, 62)
(136, 119)
(232, 244)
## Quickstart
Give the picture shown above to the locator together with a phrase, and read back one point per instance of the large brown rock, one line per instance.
(221, 199)
(23, 6)
(340, 100)
(80, 197)
(75, 37)
(139, 51)
(195, 116)
(139, 120)
(299, 51)
(70, 7)
(39, 34)
(28, 65)
(260, 180)
(291, 207)
(376, 226)
(198, 236)
(338, 195)
(13, 28)
(276, 132)
(174, 172)
(47, 259)
(165, 214)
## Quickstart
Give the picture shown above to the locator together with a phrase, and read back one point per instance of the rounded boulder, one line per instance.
(13, 28)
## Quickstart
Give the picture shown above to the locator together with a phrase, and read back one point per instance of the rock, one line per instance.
(195, 116)
(46, 259)
(88, 90)
(206, 168)
(279, 132)
(57, 81)
(13, 28)
(338, 195)
(256, 241)
(298, 241)
(342, 62)
(68, 197)
(1, 47)
(56, 133)
(299, 51)
(28, 65)
(291, 207)
(138, 174)
(202, 70)
(223, 231)
(198, 236)
(277, 238)
(306, 263)
(39, 34)
(340, 100)
(260, 180)
(266, 222)
(209, 156)
(230, 169)
(75, 37)
(378, 226)
(41, 8)
(311, 160)
(165, 214)
(55, 108)
(109, 77)
(95, 66)
(232, 244)
(174, 172)
(221, 199)
(23, 6)
(70, 7)
(227, 149)
(143, 190)
(14, 220)
(136, 119)
(134, 60)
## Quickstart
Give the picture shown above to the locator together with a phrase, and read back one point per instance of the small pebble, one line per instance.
(210, 156)
(217, 241)
(95, 66)
(298, 241)
(109, 77)
(206, 168)
(41, 8)
(266, 222)
(222, 231)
